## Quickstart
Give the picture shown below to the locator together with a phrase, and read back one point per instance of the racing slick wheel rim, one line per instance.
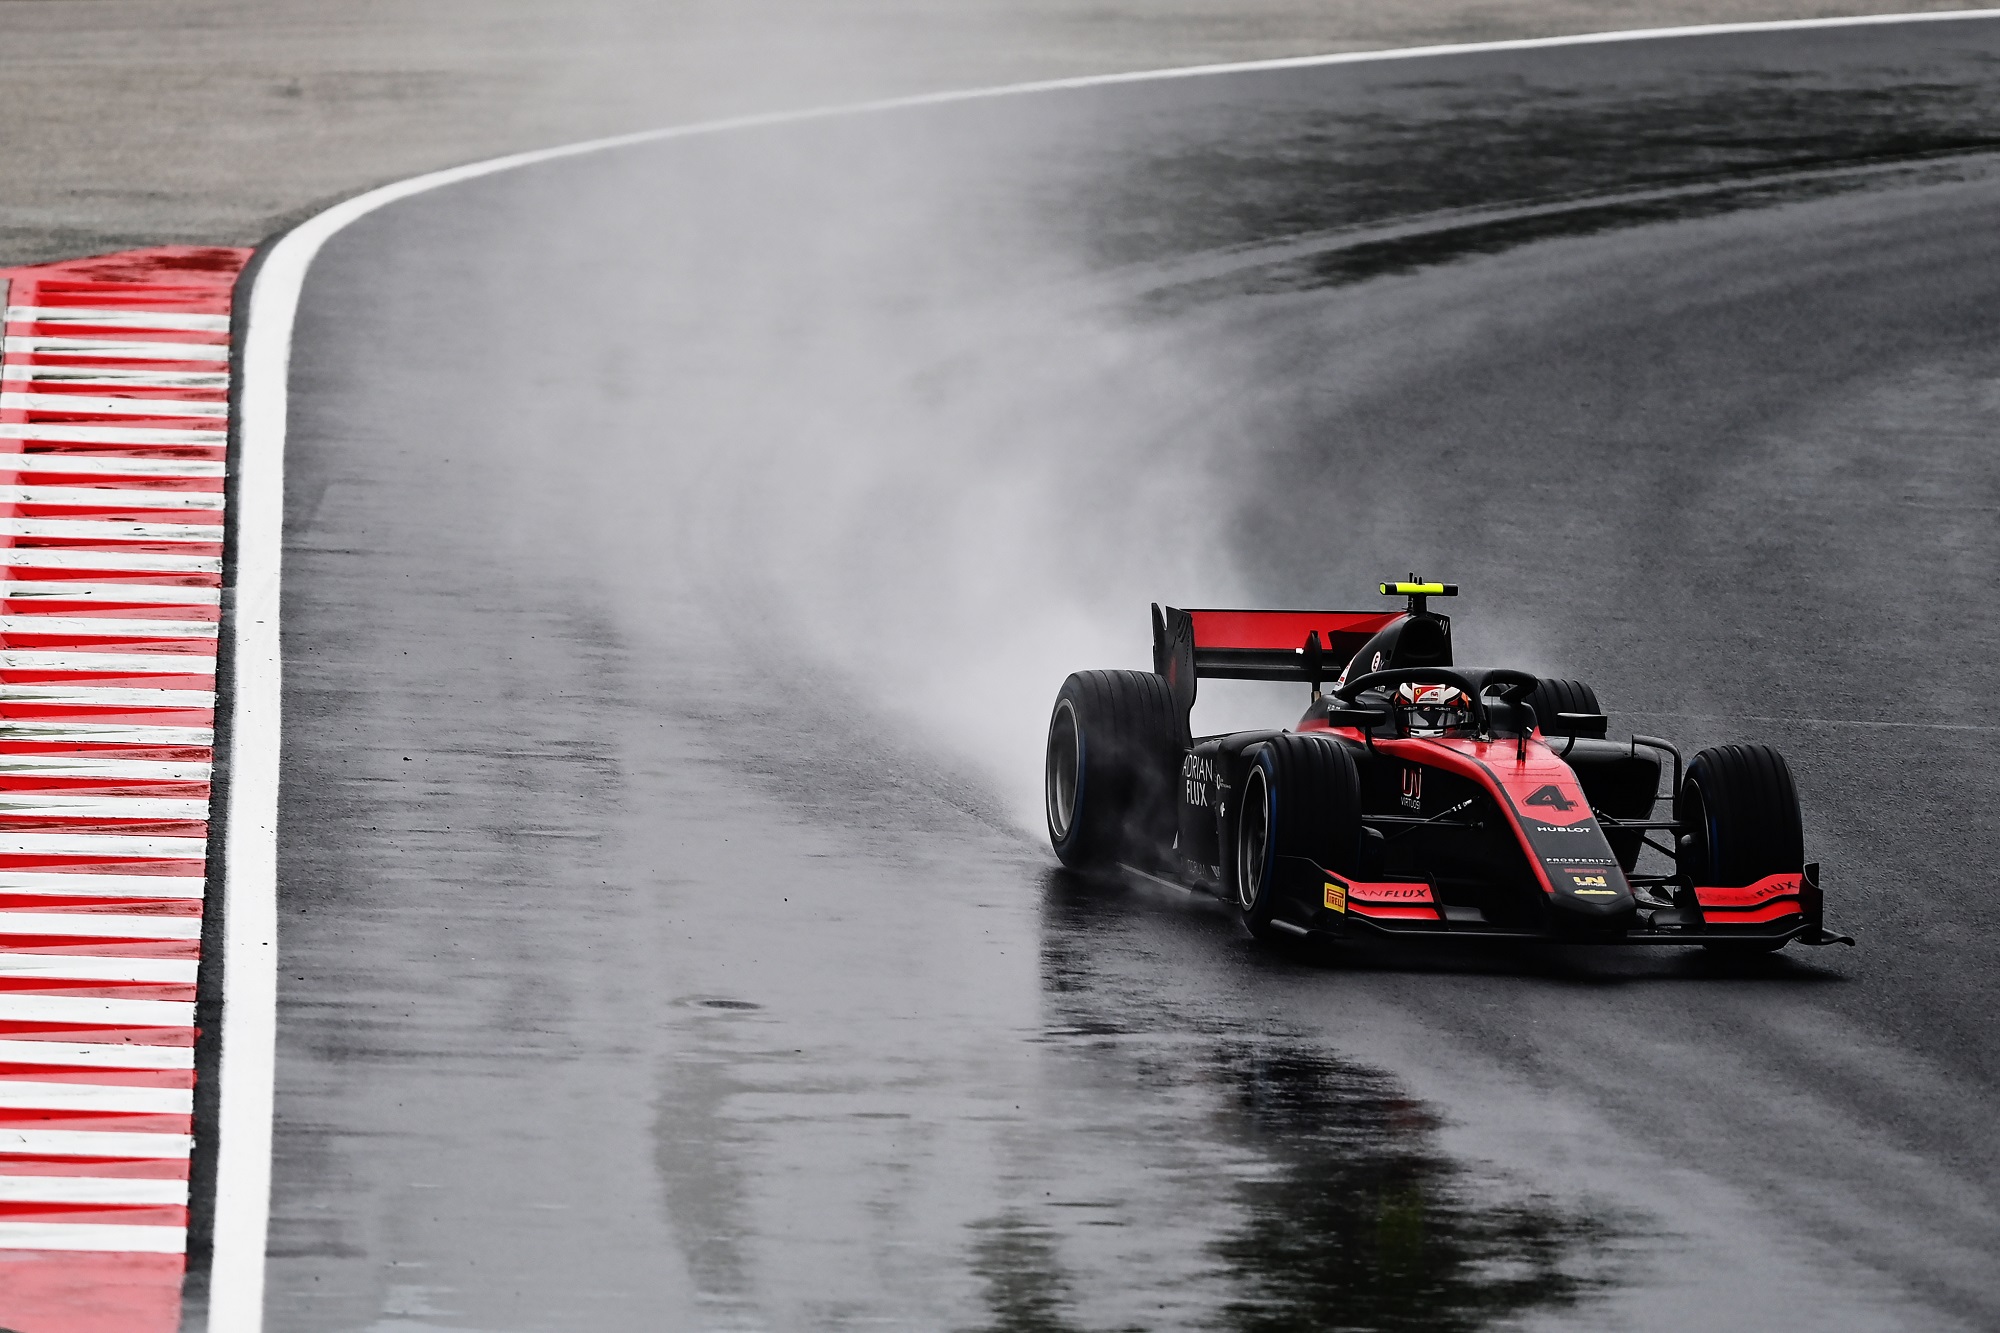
(1065, 767)
(1253, 839)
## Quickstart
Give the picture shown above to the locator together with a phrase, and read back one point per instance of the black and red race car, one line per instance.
(1420, 798)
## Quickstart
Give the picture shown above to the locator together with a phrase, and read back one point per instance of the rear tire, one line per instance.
(1552, 697)
(1739, 810)
(1301, 796)
(1113, 752)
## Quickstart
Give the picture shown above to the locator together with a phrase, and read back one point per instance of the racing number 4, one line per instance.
(1551, 795)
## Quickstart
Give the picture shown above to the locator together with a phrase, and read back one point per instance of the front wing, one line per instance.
(1777, 909)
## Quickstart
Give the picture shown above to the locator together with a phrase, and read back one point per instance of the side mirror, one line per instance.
(1364, 718)
(1367, 719)
(1570, 726)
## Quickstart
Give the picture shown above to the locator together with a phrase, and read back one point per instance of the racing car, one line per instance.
(1420, 798)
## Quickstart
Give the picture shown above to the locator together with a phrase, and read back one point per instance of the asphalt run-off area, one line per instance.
(525, 696)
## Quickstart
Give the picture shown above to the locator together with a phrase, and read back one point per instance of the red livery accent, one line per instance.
(1388, 893)
(1401, 901)
(1517, 778)
(1770, 912)
(1402, 913)
(1750, 895)
(1285, 630)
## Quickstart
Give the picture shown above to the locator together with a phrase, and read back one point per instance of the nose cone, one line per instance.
(1587, 888)
(1592, 901)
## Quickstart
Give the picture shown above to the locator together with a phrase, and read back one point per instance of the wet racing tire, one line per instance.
(1550, 698)
(1300, 796)
(1739, 810)
(1113, 754)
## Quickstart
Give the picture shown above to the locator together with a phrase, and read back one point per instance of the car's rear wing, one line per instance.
(1303, 646)
(1265, 645)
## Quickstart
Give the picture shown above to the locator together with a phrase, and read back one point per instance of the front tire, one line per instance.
(1301, 796)
(1112, 755)
(1739, 811)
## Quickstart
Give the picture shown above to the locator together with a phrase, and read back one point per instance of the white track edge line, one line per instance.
(250, 979)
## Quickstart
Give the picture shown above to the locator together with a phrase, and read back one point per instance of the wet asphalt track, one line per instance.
(684, 545)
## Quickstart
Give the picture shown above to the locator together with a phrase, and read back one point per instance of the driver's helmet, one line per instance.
(1432, 710)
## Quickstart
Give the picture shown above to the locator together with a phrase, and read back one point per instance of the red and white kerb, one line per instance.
(114, 400)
